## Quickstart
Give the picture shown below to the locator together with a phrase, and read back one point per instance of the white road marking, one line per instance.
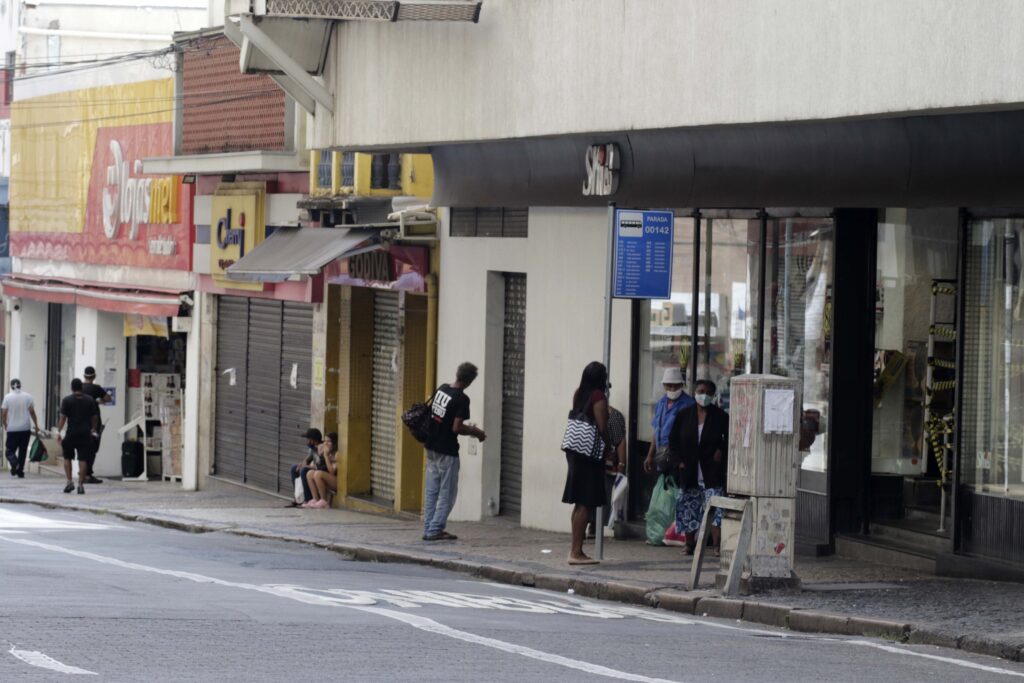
(47, 662)
(20, 522)
(421, 623)
(364, 601)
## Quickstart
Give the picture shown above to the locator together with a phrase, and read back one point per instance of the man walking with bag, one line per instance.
(82, 415)
(19, 414)
(450, 410)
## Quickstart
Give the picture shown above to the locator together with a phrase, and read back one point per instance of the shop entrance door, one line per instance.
(513, 370)
(914, 376)
(387, 344)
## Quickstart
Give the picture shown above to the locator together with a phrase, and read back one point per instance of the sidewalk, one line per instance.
(836, 596)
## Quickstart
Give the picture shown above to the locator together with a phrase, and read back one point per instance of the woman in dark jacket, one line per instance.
(699, 444)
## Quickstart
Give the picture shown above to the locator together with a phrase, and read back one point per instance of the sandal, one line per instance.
(583, 560)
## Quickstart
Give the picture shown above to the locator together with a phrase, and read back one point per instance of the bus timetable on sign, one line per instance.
(643, 254)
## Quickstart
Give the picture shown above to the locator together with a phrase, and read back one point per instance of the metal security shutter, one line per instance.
(297, 357)
(229, 432)
(513, 370)
(263, 395)
(386, 344)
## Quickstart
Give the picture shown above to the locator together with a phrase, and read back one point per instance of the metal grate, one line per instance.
(489, 222)
(378, 10)
(512, 381)
(387, 331)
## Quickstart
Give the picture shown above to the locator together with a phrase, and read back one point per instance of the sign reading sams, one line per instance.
(643, 254)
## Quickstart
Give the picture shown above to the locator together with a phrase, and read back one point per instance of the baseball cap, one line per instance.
(90, 372)
(314, 433)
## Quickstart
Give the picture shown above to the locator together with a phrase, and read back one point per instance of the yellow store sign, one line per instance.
(237, 225)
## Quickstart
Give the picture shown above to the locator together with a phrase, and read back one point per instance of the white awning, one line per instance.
(294, 253)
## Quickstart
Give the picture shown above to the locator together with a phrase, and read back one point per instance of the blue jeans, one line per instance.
(442, 487)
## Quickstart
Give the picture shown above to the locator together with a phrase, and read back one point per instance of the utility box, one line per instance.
(764, 431)
(763, 462)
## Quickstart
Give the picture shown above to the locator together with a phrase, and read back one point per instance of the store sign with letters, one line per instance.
(130, 218)
(237, 225)
(602, 167)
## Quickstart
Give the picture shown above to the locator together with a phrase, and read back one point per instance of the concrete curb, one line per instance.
(699, 603)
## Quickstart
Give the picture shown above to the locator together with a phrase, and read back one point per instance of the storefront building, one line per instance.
(841, 217)
(102, 257)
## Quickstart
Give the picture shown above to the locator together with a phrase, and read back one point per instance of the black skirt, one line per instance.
(584, 483)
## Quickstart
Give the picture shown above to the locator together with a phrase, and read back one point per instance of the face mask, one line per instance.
(703, 400)
(674, 395)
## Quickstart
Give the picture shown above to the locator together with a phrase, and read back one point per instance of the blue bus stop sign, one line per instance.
(643, 254)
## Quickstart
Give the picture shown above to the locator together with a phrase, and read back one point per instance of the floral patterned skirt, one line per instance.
(690, 508)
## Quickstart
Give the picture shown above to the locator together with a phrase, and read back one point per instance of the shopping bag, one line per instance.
(662, 510)
(300, 494)
(620, 491)
(37, 452)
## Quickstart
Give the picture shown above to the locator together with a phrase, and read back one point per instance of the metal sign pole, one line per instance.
(606, 355)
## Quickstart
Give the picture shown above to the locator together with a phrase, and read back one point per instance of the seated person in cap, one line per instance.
(100, 395)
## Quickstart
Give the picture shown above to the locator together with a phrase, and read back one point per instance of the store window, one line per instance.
(727, 290)
(915, 317)
(799, 261)
(992, 443)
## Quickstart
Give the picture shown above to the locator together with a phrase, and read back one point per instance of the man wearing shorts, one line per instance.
(81, 415)
(102, 398)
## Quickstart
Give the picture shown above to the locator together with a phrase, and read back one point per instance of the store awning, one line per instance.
(113, 300)
(294, 253)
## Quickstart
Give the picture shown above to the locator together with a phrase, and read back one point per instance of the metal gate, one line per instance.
(264, 364)
(232, 342)
(263, 395)
(513, 369)
(387, 336)
(296, 370)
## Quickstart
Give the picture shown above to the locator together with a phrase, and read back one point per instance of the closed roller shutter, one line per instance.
(263, 395)
(513, 370)
(297, 358)
(386, 344)
(232, 340)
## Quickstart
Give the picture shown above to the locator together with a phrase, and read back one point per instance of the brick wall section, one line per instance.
(224, 110)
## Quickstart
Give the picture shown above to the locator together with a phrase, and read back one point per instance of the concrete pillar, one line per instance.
(26, 347)
(100, 342)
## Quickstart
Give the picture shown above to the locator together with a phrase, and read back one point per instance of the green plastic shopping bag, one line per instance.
(662, 510)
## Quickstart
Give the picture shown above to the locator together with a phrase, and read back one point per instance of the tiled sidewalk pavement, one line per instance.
(836, 595)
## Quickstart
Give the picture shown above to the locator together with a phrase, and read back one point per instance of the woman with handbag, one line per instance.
(588, 427)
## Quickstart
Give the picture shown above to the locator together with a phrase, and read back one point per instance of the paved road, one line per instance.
(83, 595)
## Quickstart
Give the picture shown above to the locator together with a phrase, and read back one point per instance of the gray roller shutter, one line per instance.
(263, 395)
(232, 340)
(297, 363)
(387, 332)
(513, 370)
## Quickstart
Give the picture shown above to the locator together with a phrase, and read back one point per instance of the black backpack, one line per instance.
(419, 420)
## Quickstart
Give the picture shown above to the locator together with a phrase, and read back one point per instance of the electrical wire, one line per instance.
(134, 115)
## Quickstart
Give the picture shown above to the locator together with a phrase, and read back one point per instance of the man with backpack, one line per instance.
(449, 409)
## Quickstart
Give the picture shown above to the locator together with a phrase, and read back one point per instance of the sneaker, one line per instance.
(439, 536)
(93, 480)
(69, 488)
(673, 537)
(448, 537)
(21, 474)
(81, 489)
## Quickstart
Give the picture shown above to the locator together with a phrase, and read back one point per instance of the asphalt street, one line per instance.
(88, 595)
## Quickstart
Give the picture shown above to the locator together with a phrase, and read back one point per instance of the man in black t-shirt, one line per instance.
(450, 410)
(81, 415)
(100, 395)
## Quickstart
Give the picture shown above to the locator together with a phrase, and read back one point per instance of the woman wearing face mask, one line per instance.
(665, 411)
(699, 445)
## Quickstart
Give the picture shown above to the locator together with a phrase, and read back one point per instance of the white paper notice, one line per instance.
(778, 411)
